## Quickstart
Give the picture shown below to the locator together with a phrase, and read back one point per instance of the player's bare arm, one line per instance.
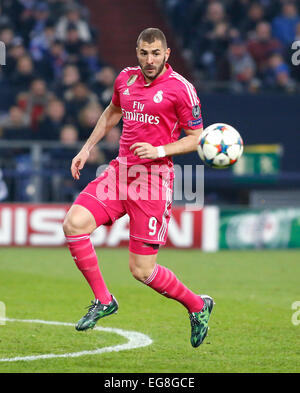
(109, 119)
(184, 145)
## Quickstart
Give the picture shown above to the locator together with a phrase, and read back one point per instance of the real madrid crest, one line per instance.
(158, 97)
(131, 79)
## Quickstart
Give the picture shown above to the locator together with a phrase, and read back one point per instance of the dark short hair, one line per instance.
(150, 35)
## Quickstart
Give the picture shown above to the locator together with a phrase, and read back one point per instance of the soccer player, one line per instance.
(155, 103)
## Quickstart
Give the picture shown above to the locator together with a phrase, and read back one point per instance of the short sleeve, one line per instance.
(116, 93)
(188, 107)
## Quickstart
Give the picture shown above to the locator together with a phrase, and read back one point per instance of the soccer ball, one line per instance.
(220, 145)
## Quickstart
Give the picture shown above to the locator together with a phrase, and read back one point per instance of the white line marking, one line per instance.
(135, 340)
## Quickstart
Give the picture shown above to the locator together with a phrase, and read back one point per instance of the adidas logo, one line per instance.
(126, 92)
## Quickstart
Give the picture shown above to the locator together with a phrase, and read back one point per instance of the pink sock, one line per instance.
(163, 281)
(85, 257)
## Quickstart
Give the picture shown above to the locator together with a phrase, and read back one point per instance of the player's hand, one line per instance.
(78, 163)
(144, 150)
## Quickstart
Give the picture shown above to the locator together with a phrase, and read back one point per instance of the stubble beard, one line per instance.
(160, 68)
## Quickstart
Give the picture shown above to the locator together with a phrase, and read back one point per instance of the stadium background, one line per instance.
(61, 61)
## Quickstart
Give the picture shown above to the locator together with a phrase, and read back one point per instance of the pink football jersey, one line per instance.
(155, 112)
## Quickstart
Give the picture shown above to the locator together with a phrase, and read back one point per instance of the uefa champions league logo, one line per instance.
(2, 53)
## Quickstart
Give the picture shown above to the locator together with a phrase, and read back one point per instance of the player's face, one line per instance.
(152, 58)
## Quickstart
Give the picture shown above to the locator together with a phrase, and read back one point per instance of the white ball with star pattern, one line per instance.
(220, 145)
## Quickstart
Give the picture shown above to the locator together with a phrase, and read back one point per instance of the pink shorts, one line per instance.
(143, 192)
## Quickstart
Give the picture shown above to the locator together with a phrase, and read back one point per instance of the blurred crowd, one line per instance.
(239, 45)
(54, 76)
(54, 87)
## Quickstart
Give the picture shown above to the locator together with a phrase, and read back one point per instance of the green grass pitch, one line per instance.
(251, 327)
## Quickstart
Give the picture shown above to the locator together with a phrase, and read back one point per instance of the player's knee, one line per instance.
(78, 221)
(138, 273)
(141, 266)
(73, 226)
